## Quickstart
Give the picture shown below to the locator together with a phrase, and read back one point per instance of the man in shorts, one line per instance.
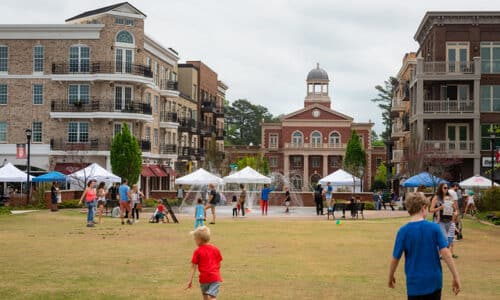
(125, 197)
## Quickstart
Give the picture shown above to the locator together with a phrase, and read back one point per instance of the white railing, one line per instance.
(448, 106)
(454, 67)
(460, 147)
(397, 155)
(314, 146)
(398, 105)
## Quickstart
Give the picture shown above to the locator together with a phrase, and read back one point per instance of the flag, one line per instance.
(21, 151)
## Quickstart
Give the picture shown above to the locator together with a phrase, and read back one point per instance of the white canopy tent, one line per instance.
(342, 179)
(247, 175)
(200, 177)
(9, 173)
(476, 181)
(92, 172)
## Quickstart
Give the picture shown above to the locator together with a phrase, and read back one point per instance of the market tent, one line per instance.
(92, 172)
(9, 173)
(341, 178)
(247, 175)
(425, 179)
(476, 181)
(50, 177)
(199, 177)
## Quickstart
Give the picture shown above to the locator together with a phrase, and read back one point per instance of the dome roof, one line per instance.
(317, 74)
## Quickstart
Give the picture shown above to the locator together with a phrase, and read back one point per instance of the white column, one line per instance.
(286, 166)
(325, 165)
(477, 145)
(305, 185)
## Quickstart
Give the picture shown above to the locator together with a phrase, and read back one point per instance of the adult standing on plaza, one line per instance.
(438, 207)
(101, 199)
(264, 199)
(204, 193)
(329, 194)
(213, 198)
(89, 194)
(376, 200)
(243, 198)
(453, 191)
(136, 202)
(180, 194)
(125, 197)
(318, 198)
(54, 192)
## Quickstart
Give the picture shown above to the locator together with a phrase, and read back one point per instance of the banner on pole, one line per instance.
(21, 151)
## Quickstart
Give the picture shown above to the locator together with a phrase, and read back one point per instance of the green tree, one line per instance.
(243, 122)
(384, 100)
(213, 157)
(355, 156)
(381, 173)
(258, 163)
(126, 156)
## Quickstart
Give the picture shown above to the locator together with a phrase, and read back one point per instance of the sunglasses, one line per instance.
(445, 187)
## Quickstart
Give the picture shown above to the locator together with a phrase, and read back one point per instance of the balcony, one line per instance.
(219, 112)
(220, 133)
(206, 130)
(458, 148)
(101, 70)
(145, 145)
(313, 146)
(186, 153)
(168, 149)
(187, 125)
(93, 144)
(449, 107)
(168, 120)
(397, 155)
(208, 107)
(101, 109)
(398, 105)
(399, 129)
(169, 85)
(446, 70)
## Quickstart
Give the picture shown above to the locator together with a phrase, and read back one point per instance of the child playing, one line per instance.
(418, 240)
(199, 214)
(207, 257)
(160, 212)
(287, 200)
(234, 203)
(451, 234)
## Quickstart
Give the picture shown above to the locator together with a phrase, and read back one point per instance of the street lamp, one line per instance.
(28, 189)
(493, 144)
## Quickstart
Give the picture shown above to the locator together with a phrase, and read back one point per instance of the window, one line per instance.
(123, 97)
(273, 162)
(334, 139)
(3, 132)
(37, 94)
(38, 58)
(78, 93)
(316, 139)
(335, 161)
(297, 161)
(147, 134)
(124, 21)
(315, 162)
(79, 59)
(117, 128)
(123, 60)
(36, 129)
(155, 136)
(78, 132)
(297, 139)
(485, 136)
(297, 181)
(457, 54)
(490, 98)
(156, 72)
(3, 94)
(157, 103)
(4, 59)
(124, 37)
(490, 57)
(273, 140)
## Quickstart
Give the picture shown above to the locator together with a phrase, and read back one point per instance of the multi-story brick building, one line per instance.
(76, 84)
(310, 143)
(455, 89)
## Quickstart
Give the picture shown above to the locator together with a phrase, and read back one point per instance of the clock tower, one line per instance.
(317, 88)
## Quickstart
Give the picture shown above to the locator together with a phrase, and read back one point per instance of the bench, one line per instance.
(355, 212)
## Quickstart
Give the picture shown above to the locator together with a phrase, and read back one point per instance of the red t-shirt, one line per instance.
(208, 259)
(161, 208)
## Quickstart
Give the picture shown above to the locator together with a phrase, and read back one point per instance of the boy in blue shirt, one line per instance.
(420, 241)
(199, 214)
(264, 198)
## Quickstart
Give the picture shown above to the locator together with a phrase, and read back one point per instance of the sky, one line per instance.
(263, 49)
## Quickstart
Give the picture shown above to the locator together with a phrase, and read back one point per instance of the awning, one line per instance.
(68, 168)
(147, 172)
(158, 171)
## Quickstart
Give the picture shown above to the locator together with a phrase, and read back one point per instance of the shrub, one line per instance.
(69, 204)
(150, 202)
(378, 185)
(490, 200)
(4, 210)
(369, 206)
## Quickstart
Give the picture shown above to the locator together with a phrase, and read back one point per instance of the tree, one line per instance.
(384, 100)
(213, 158)
(243, 122)
(355, 156)
(126, 156)
(258, 163)
(373, 136)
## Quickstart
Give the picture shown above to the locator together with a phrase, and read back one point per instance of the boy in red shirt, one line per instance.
(208, 259)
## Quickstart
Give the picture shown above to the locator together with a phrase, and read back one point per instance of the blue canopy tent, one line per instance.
(50, 177)
(425, 179)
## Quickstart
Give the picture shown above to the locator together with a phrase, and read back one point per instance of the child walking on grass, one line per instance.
(234, 203)
(451, 234)
(199, 214)
(207, 257)
(419, 240)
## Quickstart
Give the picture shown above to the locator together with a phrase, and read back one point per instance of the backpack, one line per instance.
(217, 198)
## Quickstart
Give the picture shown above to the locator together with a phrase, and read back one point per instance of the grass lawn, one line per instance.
(53, 256)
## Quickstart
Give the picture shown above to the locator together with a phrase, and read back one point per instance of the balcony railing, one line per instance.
(449, 147)
(168, 149)
(205, 129)
(220, 133)
(448, 106)
(145, 145)
(101, 106)
(219, 112)
(186, 152)
(440, 67)
(208, 106)
(92, 144)
(187, 125)
(398, 105)
(166, 116)
(313, 146)
(168, 85)
(397, 155)
(101, 67)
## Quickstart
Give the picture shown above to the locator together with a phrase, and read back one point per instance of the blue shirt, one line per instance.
(199, 212)
(123, 191)
(264, 195)
(329, 190)
(420, 242)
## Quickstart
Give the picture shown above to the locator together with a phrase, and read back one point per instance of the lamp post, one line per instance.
(493, 144)
(28, 189)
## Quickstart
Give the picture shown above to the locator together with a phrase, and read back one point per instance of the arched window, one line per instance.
(124, 37)
(334, 140)
(297, 139)
(316, 139)
(297, 181)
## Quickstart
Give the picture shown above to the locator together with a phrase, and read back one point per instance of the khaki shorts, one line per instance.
(124, 206)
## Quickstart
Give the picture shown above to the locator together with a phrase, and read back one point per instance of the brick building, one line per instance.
(76, 84)
(310, 143)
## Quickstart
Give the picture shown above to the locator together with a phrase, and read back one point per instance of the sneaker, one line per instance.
(129, 222)
(90, 225)
(454, 256)
(123, 223)
(136, 221)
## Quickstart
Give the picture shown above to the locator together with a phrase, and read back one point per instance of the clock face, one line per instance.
(316, 113)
